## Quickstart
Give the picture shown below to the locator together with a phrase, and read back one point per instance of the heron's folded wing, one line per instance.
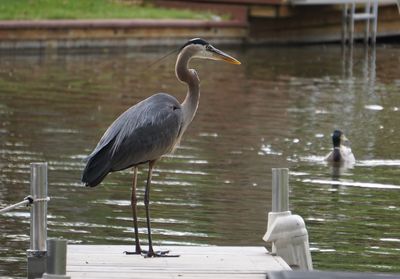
(147, 131)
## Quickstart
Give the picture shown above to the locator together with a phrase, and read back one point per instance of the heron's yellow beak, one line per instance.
(216, 54)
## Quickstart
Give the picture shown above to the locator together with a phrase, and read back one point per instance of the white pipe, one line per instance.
(280, 189)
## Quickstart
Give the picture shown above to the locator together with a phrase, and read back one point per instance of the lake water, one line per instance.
(278, 109)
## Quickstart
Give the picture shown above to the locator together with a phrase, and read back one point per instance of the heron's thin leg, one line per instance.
(151, 252)
(146, 204)
(138, 250)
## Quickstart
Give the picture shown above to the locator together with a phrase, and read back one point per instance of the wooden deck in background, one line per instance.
(251, 22)
(293, 21)
(109, 261)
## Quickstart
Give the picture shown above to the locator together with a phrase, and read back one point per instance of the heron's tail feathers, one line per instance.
(97, 167)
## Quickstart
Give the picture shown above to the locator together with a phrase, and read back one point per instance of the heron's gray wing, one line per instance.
(146, 131)
(108, 137)
(98, 163)
(143, 133)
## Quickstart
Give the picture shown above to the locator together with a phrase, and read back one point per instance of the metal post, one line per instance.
(38, 248)
(367, 11)
(375, 22)
(353, 11)
(56, 259)
(280, 189)
(345, 23)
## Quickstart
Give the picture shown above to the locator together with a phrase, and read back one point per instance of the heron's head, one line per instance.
(338, 138)
(200, 48)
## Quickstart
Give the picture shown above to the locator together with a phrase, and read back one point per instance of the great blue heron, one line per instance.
(150, 129)
(341, 152)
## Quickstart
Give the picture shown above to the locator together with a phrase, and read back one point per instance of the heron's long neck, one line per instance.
(188, 76)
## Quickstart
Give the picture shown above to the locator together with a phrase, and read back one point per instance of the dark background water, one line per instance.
(277, 109)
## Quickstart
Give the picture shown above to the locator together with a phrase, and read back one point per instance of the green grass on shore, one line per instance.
(89, 9)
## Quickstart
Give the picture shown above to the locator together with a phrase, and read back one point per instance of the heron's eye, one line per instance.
(208, 47)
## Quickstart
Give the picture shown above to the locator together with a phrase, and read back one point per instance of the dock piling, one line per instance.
(37, 252)
(280, 189)
(287, 232)
(56, 259)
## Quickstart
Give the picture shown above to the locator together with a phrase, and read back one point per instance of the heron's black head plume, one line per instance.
(190, 42)
(195, 41)
(336, 137)
(160, 59)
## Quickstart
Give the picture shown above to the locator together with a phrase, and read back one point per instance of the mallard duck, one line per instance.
(341, 152)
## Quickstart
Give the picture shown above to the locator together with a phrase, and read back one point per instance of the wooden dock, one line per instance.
(294, 21)
(109, 261)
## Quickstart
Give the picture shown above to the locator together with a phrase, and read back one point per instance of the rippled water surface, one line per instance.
(277, 109)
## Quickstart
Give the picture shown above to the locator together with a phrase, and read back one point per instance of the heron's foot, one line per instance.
(159, 254)
(138, 251)
(132, 253)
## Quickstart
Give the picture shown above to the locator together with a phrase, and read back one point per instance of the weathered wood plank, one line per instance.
(109, 261)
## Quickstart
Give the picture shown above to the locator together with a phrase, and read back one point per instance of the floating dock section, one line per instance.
(109, 261)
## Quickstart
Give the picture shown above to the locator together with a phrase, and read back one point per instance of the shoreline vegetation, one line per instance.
(93, 9)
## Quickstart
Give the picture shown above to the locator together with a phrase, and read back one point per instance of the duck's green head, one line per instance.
(336, 138)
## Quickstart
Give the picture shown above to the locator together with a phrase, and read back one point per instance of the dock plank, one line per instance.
(109, 261)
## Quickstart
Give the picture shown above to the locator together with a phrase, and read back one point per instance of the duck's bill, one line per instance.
(345, 141)
(220, 55)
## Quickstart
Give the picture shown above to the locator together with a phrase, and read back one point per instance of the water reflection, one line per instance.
(337, 182)
(277, 110)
